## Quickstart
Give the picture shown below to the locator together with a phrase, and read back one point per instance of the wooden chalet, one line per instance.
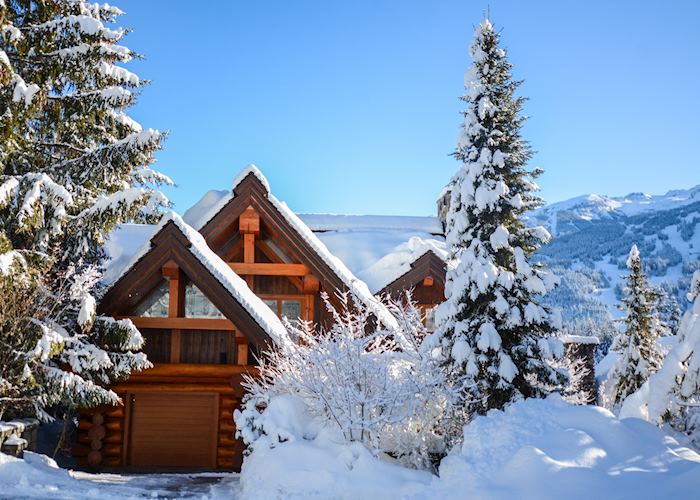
(207, 300)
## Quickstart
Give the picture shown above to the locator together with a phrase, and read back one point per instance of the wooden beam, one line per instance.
(241, 353)
(182, 323)
(175, 345)
(311, 283)
(248, 248)
(249, 221)
(193, 370)
(171, 270)
(268, 269)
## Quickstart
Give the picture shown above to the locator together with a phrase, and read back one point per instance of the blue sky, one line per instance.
(352, 107)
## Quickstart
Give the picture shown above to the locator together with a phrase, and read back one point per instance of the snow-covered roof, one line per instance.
(378, 248)
(130, 234)
(212, 202)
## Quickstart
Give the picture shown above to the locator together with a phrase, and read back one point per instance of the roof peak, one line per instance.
(251, 168)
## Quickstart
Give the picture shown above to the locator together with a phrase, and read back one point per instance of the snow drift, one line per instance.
(535, 449)
(539, 449)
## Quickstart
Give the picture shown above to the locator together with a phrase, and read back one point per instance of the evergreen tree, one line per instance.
(494, 338)
(669, 311)
(73, 164)
(639, 354)
(672, 394)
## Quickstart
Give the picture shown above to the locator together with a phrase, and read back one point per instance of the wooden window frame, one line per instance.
(306, 302)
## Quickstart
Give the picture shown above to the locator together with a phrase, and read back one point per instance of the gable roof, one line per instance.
(250, 184)
(378, 248)
(179, 240)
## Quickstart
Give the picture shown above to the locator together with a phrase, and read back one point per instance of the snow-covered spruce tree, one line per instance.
(73, 164)
(672, 394)
(639, 353)
(494, 338)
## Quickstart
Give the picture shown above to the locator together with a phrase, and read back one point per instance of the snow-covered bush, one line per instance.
(673, 393)
(576, 390)
(374, 386)
(297, 455)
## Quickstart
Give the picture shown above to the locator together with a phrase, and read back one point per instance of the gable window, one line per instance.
(284, 307)
(155, 305)
(197, 305)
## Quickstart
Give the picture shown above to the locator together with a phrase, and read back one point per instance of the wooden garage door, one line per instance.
(170, 429)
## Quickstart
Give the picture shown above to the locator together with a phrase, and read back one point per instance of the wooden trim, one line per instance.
(311, 284)
(269, 269)
(249, 221)
(242, 353)
(182, 323)
(165, 387)
(175, 345)
(126, 433)
(215, 425)
(188, 370)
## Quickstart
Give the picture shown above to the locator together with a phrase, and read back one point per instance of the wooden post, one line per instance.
(176, 305)
(241, 351)
(249, 227)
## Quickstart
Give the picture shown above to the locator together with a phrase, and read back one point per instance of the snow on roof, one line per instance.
(337, 222)
(361, 242)
(235, 285)
(204, 210)
(398, 262)
(123, 244)
(381, 252)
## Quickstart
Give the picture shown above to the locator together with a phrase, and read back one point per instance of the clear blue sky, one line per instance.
(352, 107)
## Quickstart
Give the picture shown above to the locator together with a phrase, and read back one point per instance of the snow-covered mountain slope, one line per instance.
(593, 235)
(571, 215)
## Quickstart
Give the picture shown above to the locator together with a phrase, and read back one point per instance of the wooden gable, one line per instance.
(426, 277)
(259, 243)
(169, 255)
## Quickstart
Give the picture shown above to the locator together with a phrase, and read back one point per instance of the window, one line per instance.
(197, 305)
(289, 308)
(156, 303)
(429, 317)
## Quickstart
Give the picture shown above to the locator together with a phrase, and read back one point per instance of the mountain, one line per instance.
(592, 237)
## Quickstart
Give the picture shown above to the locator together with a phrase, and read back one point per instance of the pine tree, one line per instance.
(494, 338)
(73, 165)
(639, 354)
(672, 394)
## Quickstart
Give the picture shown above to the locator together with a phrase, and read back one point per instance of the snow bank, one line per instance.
(543, 449)
(296, 458)
(536, 449)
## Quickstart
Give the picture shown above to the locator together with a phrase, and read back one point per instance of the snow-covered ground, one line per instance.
(535, 449)
(38, 477)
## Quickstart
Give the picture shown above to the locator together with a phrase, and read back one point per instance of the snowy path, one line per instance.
(38, 477)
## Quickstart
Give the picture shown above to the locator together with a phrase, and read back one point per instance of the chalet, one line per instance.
(207, 291)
